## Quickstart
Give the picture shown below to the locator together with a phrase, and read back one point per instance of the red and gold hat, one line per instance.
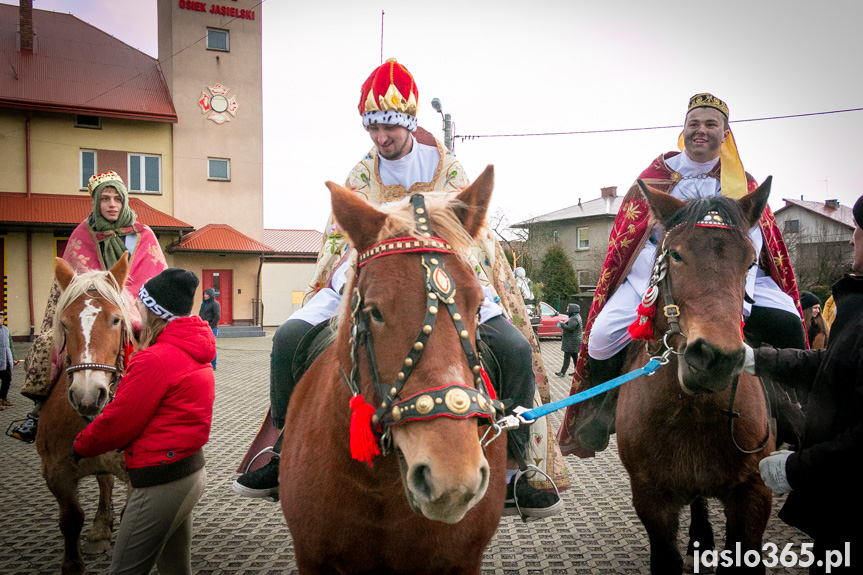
(390, 96)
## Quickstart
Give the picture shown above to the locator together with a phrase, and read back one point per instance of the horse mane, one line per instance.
(400, 221)
(445, 223)
(695, 210)
(102, 282)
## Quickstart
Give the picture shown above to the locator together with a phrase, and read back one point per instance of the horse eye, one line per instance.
(752, 265)
(116, 321)
(675, 256)
(376, 314)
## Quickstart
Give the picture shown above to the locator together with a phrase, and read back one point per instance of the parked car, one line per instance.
(548, 320)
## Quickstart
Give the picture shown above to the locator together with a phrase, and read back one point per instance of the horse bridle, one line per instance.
(116, 370)
(672, 315)
(453, 400)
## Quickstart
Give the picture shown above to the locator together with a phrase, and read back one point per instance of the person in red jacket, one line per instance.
(161, 419)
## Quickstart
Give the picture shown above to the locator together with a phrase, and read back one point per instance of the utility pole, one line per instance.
(447, 123)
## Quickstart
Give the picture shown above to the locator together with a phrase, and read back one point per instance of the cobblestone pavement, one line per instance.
(597, 533)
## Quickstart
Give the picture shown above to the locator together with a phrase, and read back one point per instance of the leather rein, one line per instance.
(454, 400)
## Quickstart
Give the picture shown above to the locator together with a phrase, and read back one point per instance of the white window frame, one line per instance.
(227, 34)
(582, 235)
(84, 181)
(555, 236)
(213, 178)
(142, 170)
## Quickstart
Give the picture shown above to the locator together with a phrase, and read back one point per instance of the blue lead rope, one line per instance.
(532, 415)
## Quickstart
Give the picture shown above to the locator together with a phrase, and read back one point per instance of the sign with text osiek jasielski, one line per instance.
(219, 9)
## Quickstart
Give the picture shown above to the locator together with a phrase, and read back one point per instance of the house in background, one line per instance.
(185, 132)
(288, 271)
(817, 236)
(583, 231)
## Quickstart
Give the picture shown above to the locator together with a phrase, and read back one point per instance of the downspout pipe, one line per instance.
(30, 283)
(260, 305)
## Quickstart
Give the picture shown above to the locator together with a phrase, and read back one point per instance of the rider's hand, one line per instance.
(749, 361)
(16, 362)
(772, 470)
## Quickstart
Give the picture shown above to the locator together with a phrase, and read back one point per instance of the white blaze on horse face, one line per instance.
(455, 374)
(88, 317)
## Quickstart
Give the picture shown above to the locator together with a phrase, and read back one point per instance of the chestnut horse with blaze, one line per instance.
(699, 426)
(93, 325)
(431, 501)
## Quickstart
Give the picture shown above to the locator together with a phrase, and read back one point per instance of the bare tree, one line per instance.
(514, 241)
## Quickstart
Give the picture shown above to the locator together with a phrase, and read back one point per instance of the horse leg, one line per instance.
(661, 519)
(747, 510)
(99, 536)
(700, 534)
(64, 486)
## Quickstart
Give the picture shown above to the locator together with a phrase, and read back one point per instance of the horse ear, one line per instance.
(355, 216)
(475, 198)
(662, 205)
(63, 272)
(120, 270)
(753, 204)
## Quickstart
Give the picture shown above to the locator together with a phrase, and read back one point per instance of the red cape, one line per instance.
(631, 229)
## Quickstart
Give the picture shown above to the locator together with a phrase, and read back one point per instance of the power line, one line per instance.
(609, 131)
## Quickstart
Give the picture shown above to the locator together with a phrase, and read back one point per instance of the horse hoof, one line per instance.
(96, 547)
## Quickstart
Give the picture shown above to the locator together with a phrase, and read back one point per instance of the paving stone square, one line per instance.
(597, 533)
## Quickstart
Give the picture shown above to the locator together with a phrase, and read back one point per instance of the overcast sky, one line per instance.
(506, 67)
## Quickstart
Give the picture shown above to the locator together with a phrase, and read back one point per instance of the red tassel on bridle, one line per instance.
(642, 327)
(364, 445)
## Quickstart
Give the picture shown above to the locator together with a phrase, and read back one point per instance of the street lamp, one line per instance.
(447, 124)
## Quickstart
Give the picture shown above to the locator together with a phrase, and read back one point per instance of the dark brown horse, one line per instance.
(433, 504)
(91, 322)
(674, 432)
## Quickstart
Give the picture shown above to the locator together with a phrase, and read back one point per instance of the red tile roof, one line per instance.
(62, 210)
(79, 69)
(843, 214)
(306, 242)
(219, 238)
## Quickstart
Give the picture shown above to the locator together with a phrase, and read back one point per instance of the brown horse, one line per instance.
(91, 322)
(675, 434)
(433, 506)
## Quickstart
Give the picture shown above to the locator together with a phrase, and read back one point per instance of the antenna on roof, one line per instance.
(382, 36)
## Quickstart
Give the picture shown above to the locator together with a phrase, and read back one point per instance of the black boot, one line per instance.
(596, 418)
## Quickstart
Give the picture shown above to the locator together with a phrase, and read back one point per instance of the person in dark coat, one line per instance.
(824, 489)
(570, 339)
(211, 312)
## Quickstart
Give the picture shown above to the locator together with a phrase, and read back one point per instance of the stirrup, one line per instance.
(518, 475)
(264, 451)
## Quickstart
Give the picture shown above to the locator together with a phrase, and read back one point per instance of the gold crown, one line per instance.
(707, 101)
(98, 179)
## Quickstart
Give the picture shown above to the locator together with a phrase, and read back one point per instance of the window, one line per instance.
(92, 122)
(586, 280)
(218, 40)
(219, 169)
(792, 226)
(145, 173)
(554, 236)
(88, 167)
(583, 238)
(546, 309)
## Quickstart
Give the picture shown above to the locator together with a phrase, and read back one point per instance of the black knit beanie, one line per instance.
(858, 211)
(170, 294)
(808, 299)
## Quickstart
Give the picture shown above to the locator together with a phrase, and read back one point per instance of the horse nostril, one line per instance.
(71, 396)
(420, 478)
(699, 355)
(103, 396)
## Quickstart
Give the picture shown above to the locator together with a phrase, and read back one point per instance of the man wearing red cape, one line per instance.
(708, 165)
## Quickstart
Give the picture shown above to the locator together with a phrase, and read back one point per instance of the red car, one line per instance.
(548, 320)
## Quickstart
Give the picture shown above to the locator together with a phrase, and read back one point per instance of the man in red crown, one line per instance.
(404, 161)
(708, 165)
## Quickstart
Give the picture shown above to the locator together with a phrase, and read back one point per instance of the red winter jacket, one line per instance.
(164, 404)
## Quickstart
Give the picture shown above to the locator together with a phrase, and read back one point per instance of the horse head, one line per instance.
(416, 310)
(708, 253)
(91, 322)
